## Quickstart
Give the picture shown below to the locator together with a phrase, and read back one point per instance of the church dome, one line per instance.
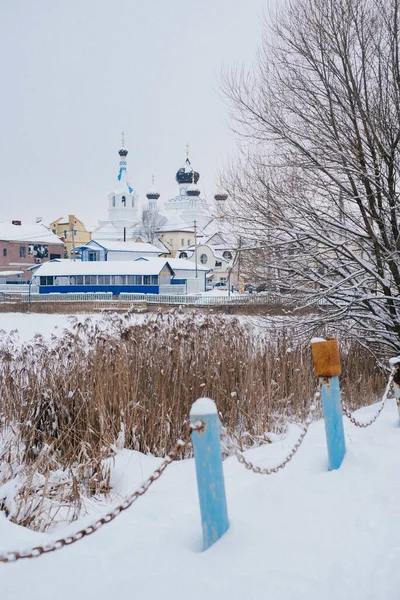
(186, 174)
(221, 196)
(152, 194)
(193, 190)
(123, 152)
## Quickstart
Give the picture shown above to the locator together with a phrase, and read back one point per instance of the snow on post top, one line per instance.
(394, 361)
(315, 340)
(202, 407)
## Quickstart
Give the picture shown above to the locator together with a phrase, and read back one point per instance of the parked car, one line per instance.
(221, 285)
(263, 287)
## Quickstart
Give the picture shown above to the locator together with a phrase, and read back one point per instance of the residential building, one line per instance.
(72, 232)
(23, 246)
(148, 276)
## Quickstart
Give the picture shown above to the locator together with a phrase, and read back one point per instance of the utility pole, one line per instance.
(239, 257)
(195, 246)
(73, 241)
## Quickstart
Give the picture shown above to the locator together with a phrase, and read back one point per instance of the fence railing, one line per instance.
(204, 432)
(18, 295)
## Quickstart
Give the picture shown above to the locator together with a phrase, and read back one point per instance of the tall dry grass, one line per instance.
(68, 403)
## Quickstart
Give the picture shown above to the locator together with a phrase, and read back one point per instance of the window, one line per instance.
(65, 234)
(72, 280)
(46, 280)
(183, 255)
(138, 279)
(120, 279)
(100, 279)
(131, 279)
(218, 263)
(90, 279)
(189, 242)
(4, 251)
(154, 279)
(113, 201)
(92, 255)
(107, 280)
(171, 242)
(182, 242)
(147, 280)
(123, 199)
(53, 256)
(133, 201)
(223, 279)
(79, 280)
(203, 259)
(22, 251)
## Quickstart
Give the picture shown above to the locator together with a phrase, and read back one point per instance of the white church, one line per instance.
(183, 224)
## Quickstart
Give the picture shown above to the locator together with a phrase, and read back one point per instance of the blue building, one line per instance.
(151, 276)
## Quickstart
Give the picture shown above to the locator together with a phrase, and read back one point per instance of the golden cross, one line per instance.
(123, 139)
(187, 150)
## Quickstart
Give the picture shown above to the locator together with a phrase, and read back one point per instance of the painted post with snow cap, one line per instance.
(210, 476)
(327, 367)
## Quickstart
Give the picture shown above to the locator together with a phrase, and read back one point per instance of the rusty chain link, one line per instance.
(357, 423)
(36, 551)
(269, 470)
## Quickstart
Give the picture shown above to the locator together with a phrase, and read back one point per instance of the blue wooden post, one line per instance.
(210, 477)
(395, 364)
(327, 368)
(332, 409)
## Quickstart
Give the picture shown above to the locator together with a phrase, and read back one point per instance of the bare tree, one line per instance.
(151, 222)
(317, 180)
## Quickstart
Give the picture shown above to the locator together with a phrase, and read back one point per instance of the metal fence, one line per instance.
(172, 299)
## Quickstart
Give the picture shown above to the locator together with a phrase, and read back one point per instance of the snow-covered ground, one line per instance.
(304, 533)
(28, 325)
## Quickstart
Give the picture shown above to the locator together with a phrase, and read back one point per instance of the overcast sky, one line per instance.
(75, 73)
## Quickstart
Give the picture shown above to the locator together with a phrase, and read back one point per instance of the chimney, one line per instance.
(16, 222)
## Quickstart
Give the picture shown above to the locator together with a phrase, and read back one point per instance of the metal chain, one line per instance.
(36, 551)
(385, 396)
(269, 470)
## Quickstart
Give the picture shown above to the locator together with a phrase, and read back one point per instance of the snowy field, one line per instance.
(304, 533)
(28, 325)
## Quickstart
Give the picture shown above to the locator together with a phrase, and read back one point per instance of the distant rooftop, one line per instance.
(35, 232)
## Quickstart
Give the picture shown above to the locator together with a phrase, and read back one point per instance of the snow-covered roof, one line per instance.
(151, 266)
(120, 246)
(175, 223)
(9, 273)
(34, 232)
(177, 264)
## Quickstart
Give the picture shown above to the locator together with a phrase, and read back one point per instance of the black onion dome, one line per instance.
(186, 174)
(221, 196)
(192, 191)
(123, 152)
(152, 195)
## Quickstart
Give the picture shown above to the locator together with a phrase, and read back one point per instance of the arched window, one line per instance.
(183, 255)
(113, 200)
(203, 259)
(123, 199)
